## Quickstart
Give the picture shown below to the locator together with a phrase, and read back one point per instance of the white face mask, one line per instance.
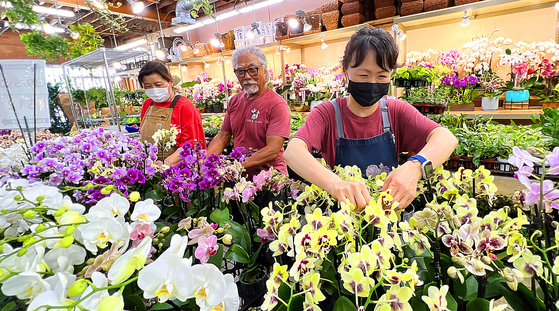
(158, 95)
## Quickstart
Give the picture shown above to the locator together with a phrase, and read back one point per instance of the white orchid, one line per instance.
(209, 286)
(64, 259)
(166, 278)
(52, 298)
(146, 212)
(114, 205)
(231, 300)
(436, 300)
(25, 285)
(134, 259)
(177, 247)
(99, 232)
(99, 280)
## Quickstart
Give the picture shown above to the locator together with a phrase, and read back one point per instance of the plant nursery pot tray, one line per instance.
(466, 107)
(550, 105)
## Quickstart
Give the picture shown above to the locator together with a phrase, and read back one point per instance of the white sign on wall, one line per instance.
(19, 75)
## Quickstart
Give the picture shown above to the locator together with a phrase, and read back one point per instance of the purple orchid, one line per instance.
(549, 193)
(519, 158)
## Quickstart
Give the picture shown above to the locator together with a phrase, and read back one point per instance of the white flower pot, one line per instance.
(490, 103)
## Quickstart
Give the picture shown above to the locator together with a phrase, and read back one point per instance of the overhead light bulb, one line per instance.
(117, 65)
(215, 42)
(228, 61)
(98, 4)
(557, 6)
(402, 36)
(219, 61)
(307, 26)
(465, 21)
(206, 65)
(74, 35)
(324, 46)
(48, 28)
(160, 54)
(183, 47)
(287, 50)
(183, 68)
(278, 51)
(250, 35)
(195, 50)
(138, 7)
(293, 23)
(221, 44)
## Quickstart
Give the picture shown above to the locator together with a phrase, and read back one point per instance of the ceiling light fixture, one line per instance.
(206, 65)
(324, 46)
(183, 68)
(161, 54)
(257, 6)
(281, 48)
(52, 11)
(465, 21)
(225, 15)
(131, 45)
(296, 21)
(220, 61)
(137, 6)
(183, 47)
(48, 28)
(401, 36)
(254, 31)
(98, 4)
(117, 65)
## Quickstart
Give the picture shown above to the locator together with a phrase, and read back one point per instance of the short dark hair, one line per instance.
(371, 39)
(152, 67)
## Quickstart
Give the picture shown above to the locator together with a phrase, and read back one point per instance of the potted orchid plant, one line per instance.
(462, 92)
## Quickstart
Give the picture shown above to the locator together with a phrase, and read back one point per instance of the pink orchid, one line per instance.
(204, 230)
(139, 233)
(207, 247)
(266, 234)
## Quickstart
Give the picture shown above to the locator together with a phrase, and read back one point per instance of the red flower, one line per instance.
(531, 71)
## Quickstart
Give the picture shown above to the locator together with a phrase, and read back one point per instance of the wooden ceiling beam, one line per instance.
(124, 10)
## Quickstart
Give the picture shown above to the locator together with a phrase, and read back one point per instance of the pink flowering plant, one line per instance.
(462, 91)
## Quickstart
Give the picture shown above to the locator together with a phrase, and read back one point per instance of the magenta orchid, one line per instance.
(207, 247)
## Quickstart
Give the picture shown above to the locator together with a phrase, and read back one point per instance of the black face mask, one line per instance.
(367, 94)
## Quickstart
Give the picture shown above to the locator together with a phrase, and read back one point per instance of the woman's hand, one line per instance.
(403, 183)
(356, 192)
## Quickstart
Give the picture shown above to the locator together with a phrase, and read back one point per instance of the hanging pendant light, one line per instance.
(465, 21)
(324, 46)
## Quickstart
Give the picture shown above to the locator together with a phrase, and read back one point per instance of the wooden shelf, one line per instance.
(500, 114)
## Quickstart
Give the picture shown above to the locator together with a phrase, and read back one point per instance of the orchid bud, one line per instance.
(112, 303)
(22, 252)
(160, 245)
(227, 226)
(531, 150)
(165, 229)
(452, 272)
(508, 275)
(89, 186)
(227, 239)
(29, 241)
(40, 198)
(1, 273)
(486, 260)
(77, 288)
(69, 230)
(461, 261)
(134, 196)
(106, 190)
(5, 211)
(220, 230)
(1, 247)
(156, 240)
(90, 261)
(478, 264)
(23, 238)
(67, 241)
(17, 197)
(29, 214)
(60, 212)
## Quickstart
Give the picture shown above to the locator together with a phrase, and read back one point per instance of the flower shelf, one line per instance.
(400, 82)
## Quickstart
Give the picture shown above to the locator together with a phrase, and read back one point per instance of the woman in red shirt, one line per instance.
(165, 109)
(367, 129)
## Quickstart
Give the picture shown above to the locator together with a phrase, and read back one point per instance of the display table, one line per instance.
(519, 116)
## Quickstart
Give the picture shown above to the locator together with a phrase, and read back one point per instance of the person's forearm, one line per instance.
(303, 163)
(219, 143)
(440, 145)
(174, 158)
(260, 158)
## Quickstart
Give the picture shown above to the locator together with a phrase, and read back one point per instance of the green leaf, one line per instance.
(155, 194)
(451, 302)
(240, 234)
(217, 259)
(9, 306)
(477, 304)
(134, 302)
(237, 253)
(471, 288)
(418, 305)
(344, 304)
(522, 298)
(161, 306)
(297, 303)
(219, 216)
(190, 83)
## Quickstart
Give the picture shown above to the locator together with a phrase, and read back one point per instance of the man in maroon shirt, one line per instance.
(257, 118)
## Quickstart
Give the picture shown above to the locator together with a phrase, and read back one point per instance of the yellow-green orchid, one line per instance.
(365, 260)
(317, 219)
(279, 274)
(396, 298)
(311, 285)
(323, 240)
(302, 266)
(517, 245)
(436, 299)
(513, 277)
(283, 244)
(426, 219)
(357, 283)
(382, 254)
(529, 264)
(271, 296)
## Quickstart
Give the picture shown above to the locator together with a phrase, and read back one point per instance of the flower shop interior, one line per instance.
(94, 217)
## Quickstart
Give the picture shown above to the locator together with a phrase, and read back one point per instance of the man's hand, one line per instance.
(403, 183)
(356, 192)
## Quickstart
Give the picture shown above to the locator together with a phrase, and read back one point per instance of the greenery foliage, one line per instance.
(59, 122)
(88, 40)
(21, 11)
(49, 48)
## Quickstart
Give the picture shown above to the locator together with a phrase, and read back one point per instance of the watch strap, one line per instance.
(417, 157)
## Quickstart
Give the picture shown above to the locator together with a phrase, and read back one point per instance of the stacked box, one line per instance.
(413, 7)
(431, 5)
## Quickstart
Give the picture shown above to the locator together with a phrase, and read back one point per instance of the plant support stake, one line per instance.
(34, 103)
(13, 106)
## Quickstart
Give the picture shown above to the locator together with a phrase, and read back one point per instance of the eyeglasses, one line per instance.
(252, 71)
